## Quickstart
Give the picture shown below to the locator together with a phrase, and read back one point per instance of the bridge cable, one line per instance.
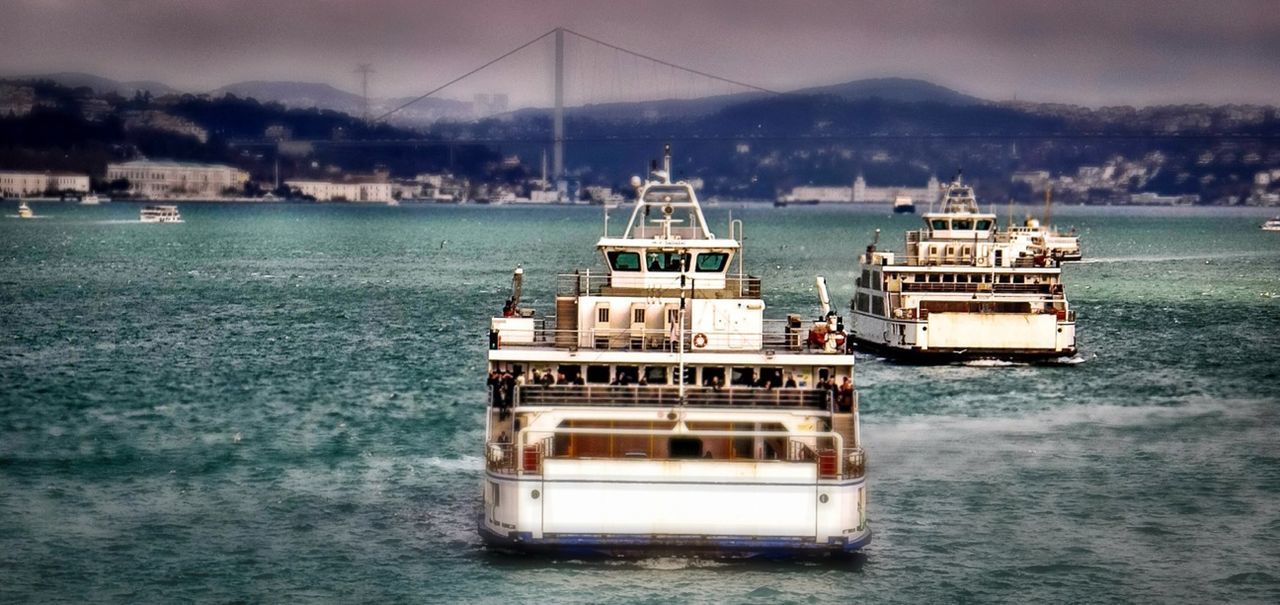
(668, 63)
(466, 75)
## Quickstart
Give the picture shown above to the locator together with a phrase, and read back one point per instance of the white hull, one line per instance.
(610, 505)
(998, 335)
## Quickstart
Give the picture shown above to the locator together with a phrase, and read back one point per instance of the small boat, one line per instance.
(1272, 224)
(160, 214)
(24, 211)
(903, 204)
(91, 199)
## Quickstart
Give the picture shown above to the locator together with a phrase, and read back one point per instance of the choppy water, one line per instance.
(283, 403)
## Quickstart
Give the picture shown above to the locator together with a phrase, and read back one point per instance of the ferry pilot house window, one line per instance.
(962, 223)
(938, 224)
(984, 224)
(712, 262)
(624, 261)
(665, 261)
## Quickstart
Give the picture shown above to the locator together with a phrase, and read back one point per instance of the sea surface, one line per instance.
(283, 403)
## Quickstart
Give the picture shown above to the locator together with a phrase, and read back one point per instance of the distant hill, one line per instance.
(305, 95)
(894, 89)
(103, 85)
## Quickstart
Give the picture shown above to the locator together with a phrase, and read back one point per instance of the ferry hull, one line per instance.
(942, 355)
(728, 547)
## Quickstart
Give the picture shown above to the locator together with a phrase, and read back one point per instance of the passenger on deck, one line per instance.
(846, 396)
(495, 389)
(791, 381)
(548, 379)
(560, 378)
(715, 383)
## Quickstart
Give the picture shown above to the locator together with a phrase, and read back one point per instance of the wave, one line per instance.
(1176, 257)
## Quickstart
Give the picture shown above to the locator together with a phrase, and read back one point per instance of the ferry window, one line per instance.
(685, 447)
(708, 374)
(962, 223)
(627, 375)
(602, 315)
(571, 373)
(598, 374)
(624, 261)
(877, 305)
(744, 377)
(690, 375)
(939, 224)
(984, 224)
(875, 280)
(666, 261)
(866, 278)
(862, 302)
(655, 374)
(497, 493)
(711, 262)
(771, 375)
(637, 315)
(666, 195)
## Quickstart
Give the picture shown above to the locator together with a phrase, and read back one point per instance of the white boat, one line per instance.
(90, 199)
(657, 410)
(160, 214)
(962, 290)
(24, 211)
(1272, 224)
(1049, 241)
(903, 204)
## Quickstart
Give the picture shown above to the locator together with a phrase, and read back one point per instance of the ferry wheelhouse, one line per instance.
(963, 290)
(1061, 246)
(658, 410)
(160, 214)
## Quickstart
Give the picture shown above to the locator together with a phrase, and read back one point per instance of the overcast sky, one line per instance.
(1077, 51)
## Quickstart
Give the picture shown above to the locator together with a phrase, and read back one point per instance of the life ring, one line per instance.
(699, 340)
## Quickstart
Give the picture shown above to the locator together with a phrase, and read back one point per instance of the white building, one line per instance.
(326, 191)
(166, 179)
(920, 195)
(14, 183)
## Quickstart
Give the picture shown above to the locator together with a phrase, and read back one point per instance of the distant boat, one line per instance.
(902, 204)
(24, 211)
(91, 199)
(1272, 224)
(160, 214)
(393, 202)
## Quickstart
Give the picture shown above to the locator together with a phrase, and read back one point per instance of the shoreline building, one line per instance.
(168, 179)
(16, 183)
(861, 193)
(328, 191)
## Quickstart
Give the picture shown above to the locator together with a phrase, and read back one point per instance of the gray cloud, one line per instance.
(1138, 51)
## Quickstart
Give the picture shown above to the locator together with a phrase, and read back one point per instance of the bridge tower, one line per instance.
(557, 133)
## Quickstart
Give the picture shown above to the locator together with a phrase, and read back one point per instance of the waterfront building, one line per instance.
(331, 191)
(168, 179)
(16, 183)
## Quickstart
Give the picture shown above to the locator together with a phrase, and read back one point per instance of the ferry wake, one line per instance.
(657, 410)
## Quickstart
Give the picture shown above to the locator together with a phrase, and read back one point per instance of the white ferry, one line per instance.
(963, 290)
(160, 214)
(24, 211)
(1058, 245)
(657, 410)
(91, 199)
(1272, 224)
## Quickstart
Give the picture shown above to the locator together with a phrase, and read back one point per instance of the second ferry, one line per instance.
(658, 410)
(964, 290)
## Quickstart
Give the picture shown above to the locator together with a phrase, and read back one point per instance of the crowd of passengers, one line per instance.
(502, 385)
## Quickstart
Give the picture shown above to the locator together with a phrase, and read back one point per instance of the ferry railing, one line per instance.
(669, 396)
(501, 458)
(826, 450)
(776, 335)
(594, 284)
(649, 232)
(997, 288)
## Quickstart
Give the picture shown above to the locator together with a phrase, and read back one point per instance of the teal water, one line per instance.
(283, 403)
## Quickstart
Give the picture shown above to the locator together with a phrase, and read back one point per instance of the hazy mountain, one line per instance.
(103, 85)
(301, 95)
(894, 89)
